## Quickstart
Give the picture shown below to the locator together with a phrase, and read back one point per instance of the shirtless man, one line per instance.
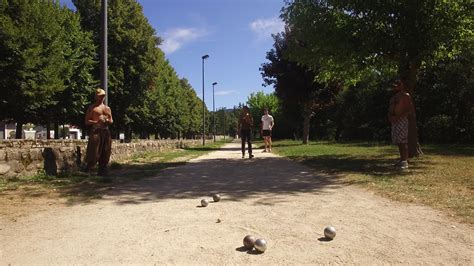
(401, 106)
(99, 147)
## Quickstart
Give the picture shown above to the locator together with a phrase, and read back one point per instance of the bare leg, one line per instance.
(249, 142)
(403, 150)
(270, 143)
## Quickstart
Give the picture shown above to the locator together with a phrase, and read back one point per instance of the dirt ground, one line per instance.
(158, 220)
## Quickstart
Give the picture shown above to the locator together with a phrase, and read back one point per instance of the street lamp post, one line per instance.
(225, 126)
(204, 57)
(214, 111)
(103, 50)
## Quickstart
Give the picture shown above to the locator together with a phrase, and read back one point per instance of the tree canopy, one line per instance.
(49, 69)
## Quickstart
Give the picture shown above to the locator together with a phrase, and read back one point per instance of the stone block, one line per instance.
(4, 169)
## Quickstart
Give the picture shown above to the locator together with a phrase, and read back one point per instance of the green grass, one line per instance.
(443, 178)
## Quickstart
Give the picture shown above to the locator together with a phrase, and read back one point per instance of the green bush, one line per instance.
(439, 129)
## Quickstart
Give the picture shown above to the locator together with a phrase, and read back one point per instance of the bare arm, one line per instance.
(109, 118)
(88, 119)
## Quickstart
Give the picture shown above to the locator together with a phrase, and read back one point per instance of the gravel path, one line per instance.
(158, 221)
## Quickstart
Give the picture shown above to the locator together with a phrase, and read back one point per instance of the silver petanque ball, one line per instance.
(204, 202)
(249, 241)
(260, 245)
(216, 197)
(330, 232)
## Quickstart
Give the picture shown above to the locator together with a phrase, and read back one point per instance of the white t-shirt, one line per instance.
(267, 120)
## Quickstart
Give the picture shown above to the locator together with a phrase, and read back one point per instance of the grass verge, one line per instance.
(443, 178)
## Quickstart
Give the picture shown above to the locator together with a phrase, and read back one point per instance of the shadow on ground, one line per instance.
(378, 165)
(209, 149)
(236, 179)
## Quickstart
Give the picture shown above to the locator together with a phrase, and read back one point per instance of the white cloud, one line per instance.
(223, 93)
(174, 39)
(265, 27)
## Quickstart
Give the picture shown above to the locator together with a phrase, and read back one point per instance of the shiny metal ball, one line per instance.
(249, 241)
(330, 232)
(260, 245)
(204, 202)
(216, 197)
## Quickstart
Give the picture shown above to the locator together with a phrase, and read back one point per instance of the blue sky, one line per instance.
(236, 34)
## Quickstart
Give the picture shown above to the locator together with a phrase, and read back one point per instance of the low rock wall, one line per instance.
(28, 157)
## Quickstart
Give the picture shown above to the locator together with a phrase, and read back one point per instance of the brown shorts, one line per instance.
(400, 131)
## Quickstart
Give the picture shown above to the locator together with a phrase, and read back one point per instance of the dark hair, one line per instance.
(398, 82)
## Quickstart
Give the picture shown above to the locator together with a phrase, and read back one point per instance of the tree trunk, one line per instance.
(56, 130)
(306, 123)
(48, 130)
(83, 132)
(19, 130)
(408, 74)
(128, 134)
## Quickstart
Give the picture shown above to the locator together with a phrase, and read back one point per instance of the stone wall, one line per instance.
(28, 157)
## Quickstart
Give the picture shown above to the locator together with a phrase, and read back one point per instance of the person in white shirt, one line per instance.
(266, 130)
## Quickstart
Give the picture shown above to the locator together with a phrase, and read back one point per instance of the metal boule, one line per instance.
(249, 241)
(260, 245)
(330, 232)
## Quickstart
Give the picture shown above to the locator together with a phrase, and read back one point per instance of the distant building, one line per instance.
(7, 130)
(74, 133)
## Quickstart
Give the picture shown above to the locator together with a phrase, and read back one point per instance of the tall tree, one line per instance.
(32, 62)
(79, 60)
(132, 55)
(344, 38)
(296, 84)
(194, 109)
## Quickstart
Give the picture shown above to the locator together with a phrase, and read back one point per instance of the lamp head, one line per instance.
(205, 56)
(215, 83)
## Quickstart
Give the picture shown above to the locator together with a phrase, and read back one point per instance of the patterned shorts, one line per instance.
(400, 131)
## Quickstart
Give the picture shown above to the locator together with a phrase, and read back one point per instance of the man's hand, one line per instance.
(102, 119)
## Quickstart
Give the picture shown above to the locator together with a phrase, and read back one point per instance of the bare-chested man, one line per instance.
(99, 147)
(401, 106)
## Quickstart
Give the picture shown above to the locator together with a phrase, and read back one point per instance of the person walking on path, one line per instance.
(401, 106)
(99, 147)
(245, 129)
(266, 130)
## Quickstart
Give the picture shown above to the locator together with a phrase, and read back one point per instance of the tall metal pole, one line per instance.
(225, 126)
(203, 104)
(214, 112)
(103, 50)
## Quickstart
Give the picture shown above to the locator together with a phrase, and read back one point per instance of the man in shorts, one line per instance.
(266, 130)
(401, 106)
